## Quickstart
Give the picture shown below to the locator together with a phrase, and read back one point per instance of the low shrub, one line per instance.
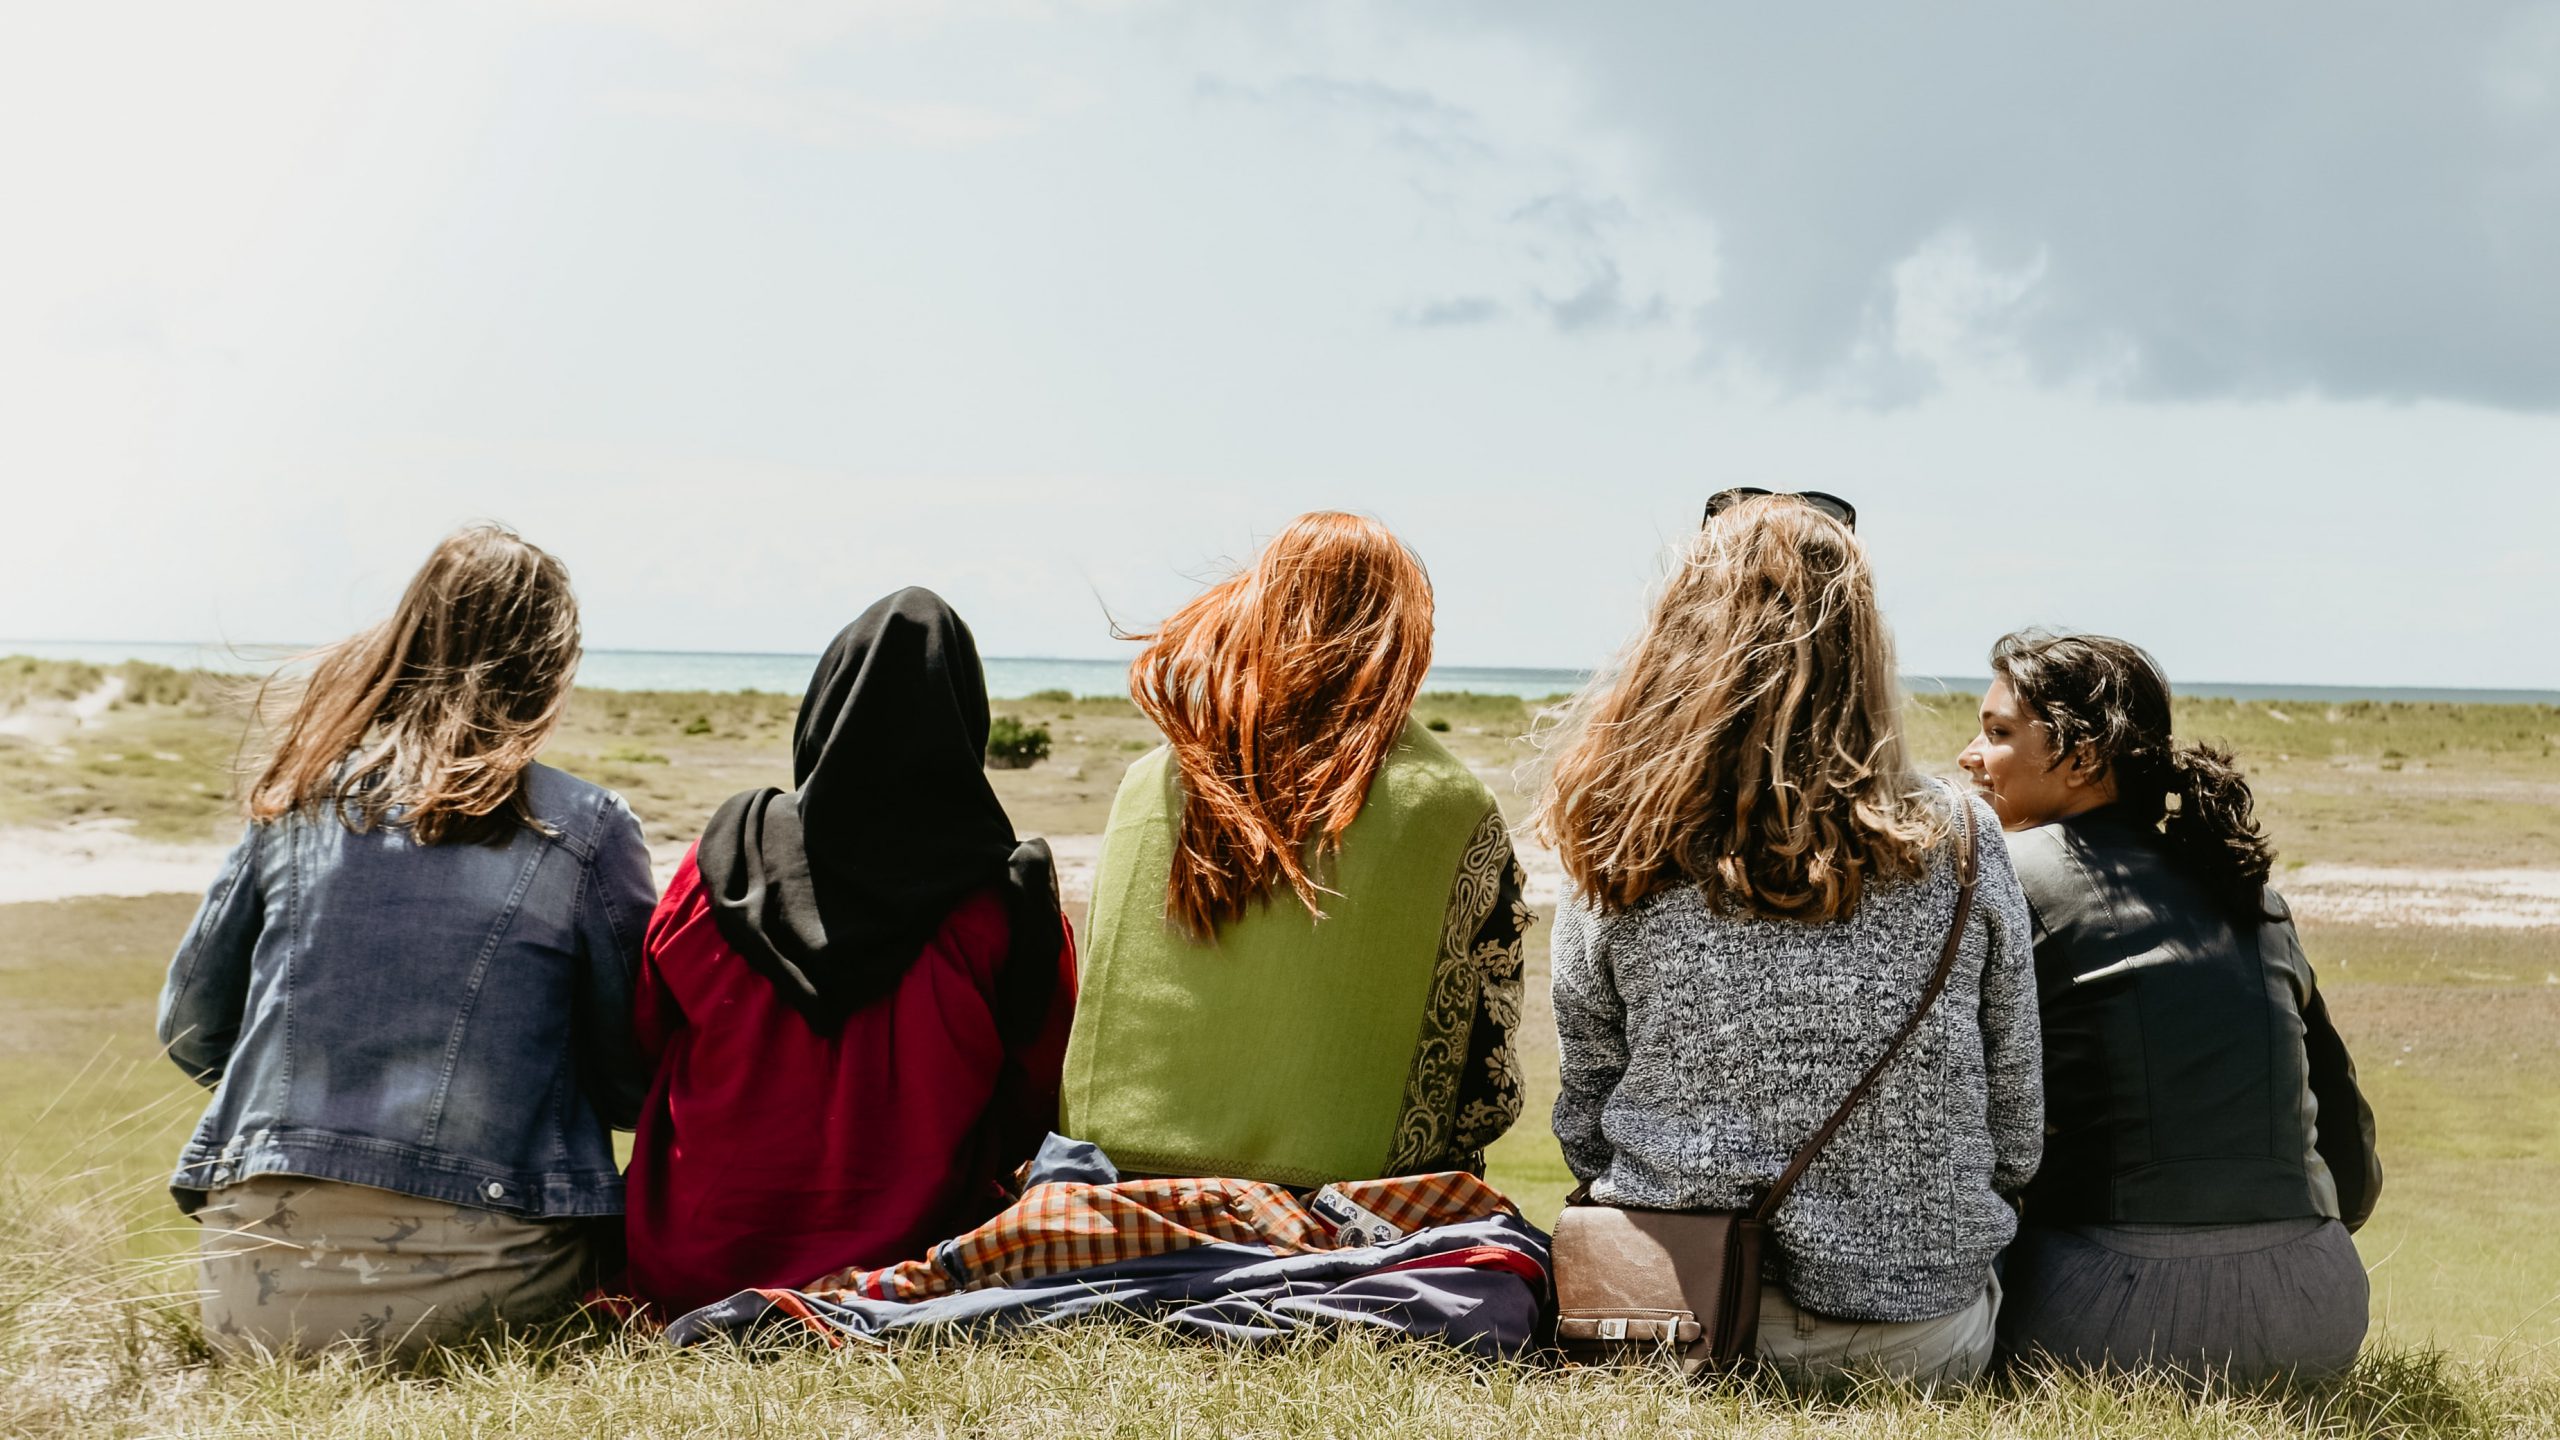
(1012, 745)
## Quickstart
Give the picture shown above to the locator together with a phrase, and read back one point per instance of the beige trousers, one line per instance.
(295, 1265)
(1808, 1349)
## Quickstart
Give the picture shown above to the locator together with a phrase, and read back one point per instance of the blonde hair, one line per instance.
(436, 711)
(1749, 742)
(1281, 690)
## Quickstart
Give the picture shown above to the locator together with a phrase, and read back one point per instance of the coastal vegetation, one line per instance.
(2455, 1026)
(1016, 744)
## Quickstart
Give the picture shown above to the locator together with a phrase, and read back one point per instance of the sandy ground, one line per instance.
(99, 857)
(104, 858)
(50, 722)
(2372, 895)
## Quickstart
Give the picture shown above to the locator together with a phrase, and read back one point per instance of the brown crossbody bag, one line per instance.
(1635, 1282)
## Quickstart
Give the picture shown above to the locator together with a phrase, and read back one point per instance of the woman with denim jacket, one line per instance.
(410, 987)
(2207, 1151)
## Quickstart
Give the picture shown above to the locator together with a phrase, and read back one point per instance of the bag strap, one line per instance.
(1812, 1149)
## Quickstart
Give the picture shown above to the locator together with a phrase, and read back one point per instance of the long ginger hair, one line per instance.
(435, 712)
(1281, 690)
(1749, 742)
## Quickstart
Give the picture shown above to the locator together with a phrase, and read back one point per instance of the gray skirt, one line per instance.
(2241, 1303)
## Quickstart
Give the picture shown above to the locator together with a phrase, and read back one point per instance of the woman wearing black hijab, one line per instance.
(855, 993)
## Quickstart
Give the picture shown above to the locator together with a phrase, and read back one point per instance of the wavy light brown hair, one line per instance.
(435, 712)
(1281, 690)
(1749, 742)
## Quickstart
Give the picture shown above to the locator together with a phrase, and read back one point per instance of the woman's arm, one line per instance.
(1488, 1099)
(656, 1013)
(208, 988)
(2012, 1027)
(1591, 1037)
(614, 904)
(1024, 1108)
(2343, 1133)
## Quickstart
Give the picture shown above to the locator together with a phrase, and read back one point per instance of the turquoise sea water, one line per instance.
(1010, 677)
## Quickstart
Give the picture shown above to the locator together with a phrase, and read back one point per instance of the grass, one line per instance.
(2457, 1033)
(2464, 1075)
(2365, 783)
(2395, 784)
(96, 1344)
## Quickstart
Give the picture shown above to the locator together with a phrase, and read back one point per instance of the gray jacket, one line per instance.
(449, 1021)
(1700, 1049)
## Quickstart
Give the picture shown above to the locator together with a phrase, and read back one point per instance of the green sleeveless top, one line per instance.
(1290, 1049)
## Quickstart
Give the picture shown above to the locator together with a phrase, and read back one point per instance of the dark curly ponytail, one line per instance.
(2109, 696)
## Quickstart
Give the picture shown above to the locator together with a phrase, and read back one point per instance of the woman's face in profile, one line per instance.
(2012, 764)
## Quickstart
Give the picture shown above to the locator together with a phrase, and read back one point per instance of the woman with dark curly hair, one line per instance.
(2207, 1151)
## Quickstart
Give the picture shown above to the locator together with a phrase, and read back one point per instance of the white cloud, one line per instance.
(810, 116)
(1023, 309)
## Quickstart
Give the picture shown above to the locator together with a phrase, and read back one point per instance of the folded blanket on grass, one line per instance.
(1479, 1285)
(1234, 1259)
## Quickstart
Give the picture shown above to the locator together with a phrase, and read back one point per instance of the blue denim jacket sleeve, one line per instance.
(613, 915)
(208, 990)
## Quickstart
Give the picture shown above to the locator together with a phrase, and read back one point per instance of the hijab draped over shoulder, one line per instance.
(833, 889)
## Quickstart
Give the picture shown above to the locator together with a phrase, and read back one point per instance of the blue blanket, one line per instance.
(1480, 1286)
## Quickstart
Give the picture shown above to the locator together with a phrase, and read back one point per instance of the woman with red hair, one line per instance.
(1304, 953)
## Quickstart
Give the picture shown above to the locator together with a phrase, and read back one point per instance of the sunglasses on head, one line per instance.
(1831, 505)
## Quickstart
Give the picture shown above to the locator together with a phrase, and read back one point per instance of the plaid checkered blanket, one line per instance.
(1063, 1226)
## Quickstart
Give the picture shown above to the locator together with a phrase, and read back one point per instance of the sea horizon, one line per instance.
(1012, 677)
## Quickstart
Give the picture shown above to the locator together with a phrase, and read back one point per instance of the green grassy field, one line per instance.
(2456, 1032)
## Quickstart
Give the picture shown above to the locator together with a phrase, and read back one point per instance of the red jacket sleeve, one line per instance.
(655, 1014)
(1024, 1108)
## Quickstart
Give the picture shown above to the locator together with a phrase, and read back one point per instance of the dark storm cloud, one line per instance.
(2217, 200)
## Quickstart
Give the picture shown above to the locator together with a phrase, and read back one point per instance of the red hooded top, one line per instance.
(770, 1155)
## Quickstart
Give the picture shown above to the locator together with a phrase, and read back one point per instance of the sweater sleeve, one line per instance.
(1591, 1038)
(2012, 1031)
(1489, 1088)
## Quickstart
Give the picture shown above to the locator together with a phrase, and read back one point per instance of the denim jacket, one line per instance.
(448, 1021)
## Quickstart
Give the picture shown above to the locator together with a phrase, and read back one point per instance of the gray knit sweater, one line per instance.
(1700, 1049)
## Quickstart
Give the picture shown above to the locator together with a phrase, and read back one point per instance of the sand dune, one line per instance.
(98, 857)
(102, 857)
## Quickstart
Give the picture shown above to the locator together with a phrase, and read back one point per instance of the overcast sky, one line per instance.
(2231, 329)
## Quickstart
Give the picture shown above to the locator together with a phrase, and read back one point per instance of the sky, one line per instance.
(2234, 330)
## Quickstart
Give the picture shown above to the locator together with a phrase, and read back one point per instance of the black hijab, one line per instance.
(831, 891)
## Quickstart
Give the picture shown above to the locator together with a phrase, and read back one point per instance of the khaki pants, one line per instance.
(1808, 1349)
(294, 1265)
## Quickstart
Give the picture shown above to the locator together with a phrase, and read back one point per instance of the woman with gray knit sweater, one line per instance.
(1759, 890)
